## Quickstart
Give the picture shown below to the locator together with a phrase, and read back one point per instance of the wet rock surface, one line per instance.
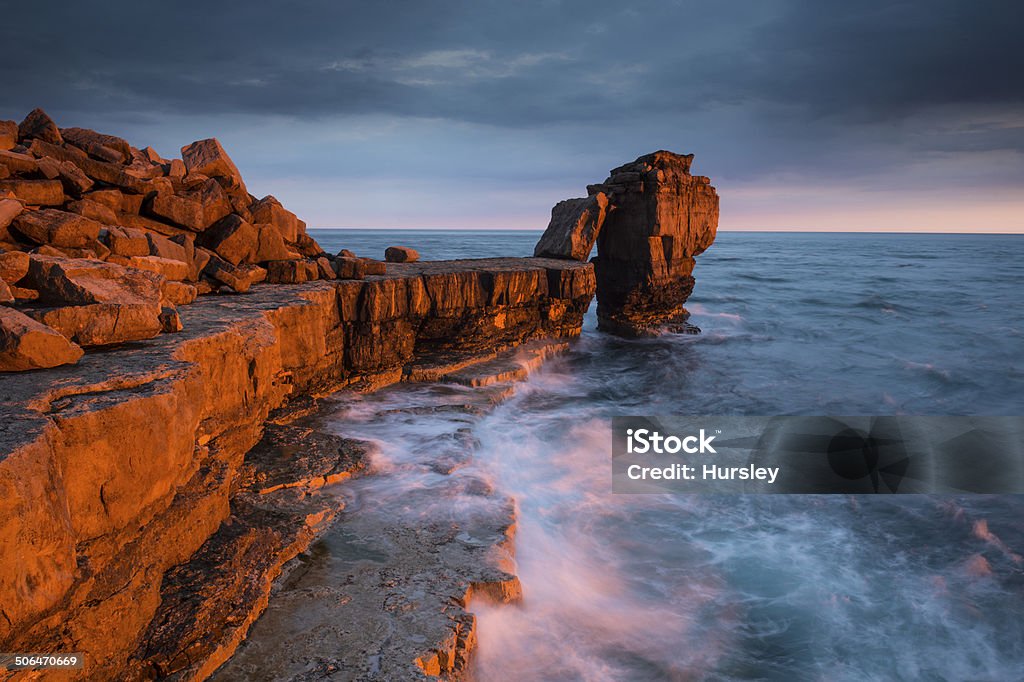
(388, 591)
(208, 603)
(152, 456)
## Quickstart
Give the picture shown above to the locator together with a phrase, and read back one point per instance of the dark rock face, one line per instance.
(662, 218)
(37, 124)
(658, 218)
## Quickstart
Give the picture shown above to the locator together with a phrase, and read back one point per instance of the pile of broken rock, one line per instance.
(100, 241)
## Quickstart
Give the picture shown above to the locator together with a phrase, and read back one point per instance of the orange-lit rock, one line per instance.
(209, 158)
(40, 126)
(574, 226)
(401, 254)
(35, 192)
(56, 228)
(27, 344)
(269, 210)
(233, 239)
(8, 135)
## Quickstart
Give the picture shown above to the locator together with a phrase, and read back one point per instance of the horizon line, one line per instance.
(754, 230)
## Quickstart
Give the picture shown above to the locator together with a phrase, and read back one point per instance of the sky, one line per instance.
(807, 115)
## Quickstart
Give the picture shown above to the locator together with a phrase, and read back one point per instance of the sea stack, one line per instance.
(650, 218)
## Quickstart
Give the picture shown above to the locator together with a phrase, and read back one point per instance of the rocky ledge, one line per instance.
(161, 461)
(118, 469)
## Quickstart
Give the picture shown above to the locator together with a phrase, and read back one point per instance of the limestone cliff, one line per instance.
(658, 218)
(117, 469)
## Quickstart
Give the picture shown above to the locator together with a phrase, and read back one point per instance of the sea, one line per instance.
(731, 587)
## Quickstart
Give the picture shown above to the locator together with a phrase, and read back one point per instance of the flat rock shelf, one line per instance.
(133, 478)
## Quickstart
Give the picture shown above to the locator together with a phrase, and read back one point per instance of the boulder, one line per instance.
(345, 253)
(126, 241)
(401, 254)
(39, 126)
(270, 245)
(176, 169)
(307, 246)
(76, 183)
(18, 163)
(35, 192)
(93, 210)
(111, 198)
(57, 228)
(8, 135)
(64, 281)
(13, 266)
(178, 293)
(49, 167)
(324, 268)
(231, 238)
(269, 210)
(213, 199)
(26, 344)
(150, 225)
(153, 156)
(177, 210)
(6, 295)
(170, 321)
(291, 271)
(200, 258)
(240, 279)
(9, 210)
(146, 171)
(169, 268)
(103, 324)
(105, 147)
(574, 226)
(209, 158)
(99, 303)
(349, 268)
(374, 267)
(23, 294)
(238, 197)
(166, 247)
(109, 173)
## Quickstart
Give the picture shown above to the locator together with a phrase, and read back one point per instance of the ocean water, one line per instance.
(719, 587)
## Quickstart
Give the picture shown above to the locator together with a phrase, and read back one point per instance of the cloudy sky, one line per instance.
(806, 114)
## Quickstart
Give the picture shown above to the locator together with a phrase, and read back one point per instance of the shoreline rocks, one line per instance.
(401, 254)
(574, 226)
(658, 218)
(151, 454)
(77, 194)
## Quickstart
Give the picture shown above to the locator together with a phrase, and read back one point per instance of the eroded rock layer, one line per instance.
(650, 218)
(662, 218)
(118, 469)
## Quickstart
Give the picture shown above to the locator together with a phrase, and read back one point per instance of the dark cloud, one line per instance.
(832, 89)
(514, 64)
